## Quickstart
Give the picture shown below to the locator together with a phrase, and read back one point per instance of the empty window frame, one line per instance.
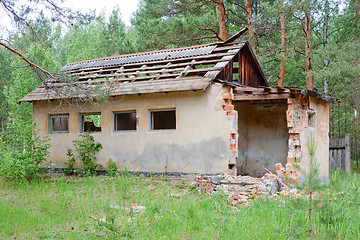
(125, 121)
(163, 119)
(59, 123)
(90, 122)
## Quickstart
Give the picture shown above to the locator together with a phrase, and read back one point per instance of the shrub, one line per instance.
(22, 158)
(111, 168)
(86, 149)
(71, 162)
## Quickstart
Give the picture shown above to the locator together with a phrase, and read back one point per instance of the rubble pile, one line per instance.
(240, 189)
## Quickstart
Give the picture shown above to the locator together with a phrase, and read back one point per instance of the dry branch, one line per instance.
(33, 65)
(212, 30)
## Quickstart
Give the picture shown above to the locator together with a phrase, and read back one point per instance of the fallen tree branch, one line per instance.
(33, 65)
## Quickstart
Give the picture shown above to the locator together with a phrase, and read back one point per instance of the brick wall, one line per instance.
(228, 107)
(297, 117)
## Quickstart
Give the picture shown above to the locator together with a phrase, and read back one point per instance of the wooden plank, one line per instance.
(134, 72)
(239, 68)
(128, 88)
(167, 77)
(242, 68)
(222, 64)
(177, 60)
(259, 90)
(251, 76)
(230, 47)
(230, 71)
(165, 73)
(253, 97)
(134, 68)
(247, 77)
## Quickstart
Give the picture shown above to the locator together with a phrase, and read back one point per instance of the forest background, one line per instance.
(296, 42)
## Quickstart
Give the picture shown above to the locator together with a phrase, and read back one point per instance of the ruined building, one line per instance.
(201, 109)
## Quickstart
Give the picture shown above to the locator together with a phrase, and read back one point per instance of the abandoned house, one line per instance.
(204, 109)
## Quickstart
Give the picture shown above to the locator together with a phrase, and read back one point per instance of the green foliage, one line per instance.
(100, 206)
(107, 223)
(22, 158)
(164, 23)
(314, 169)
(71, 161)
(111, 168)
(86, 149)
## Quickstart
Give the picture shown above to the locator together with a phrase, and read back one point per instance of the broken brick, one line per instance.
(228, 107)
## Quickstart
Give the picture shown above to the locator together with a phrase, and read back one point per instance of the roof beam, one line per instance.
(255, 97)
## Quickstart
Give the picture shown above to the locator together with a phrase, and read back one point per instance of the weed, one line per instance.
(108, 223)
(312, 177)
(71, 162)
(111, 168)
(86, 149)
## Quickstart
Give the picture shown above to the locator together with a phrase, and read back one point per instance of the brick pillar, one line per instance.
(297, 119)
(228, 107)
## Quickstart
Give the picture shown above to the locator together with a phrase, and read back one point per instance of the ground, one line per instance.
(100, 207)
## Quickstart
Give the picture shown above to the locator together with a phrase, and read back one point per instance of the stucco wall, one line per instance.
(263, 136)
(319, 130)
(200, 143)
(308, 118)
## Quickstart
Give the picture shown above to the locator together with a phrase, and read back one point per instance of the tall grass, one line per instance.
(97, 208)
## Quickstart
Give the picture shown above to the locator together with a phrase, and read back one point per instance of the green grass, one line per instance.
(63, 208)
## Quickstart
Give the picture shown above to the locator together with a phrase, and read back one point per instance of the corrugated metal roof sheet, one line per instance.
(138, 58)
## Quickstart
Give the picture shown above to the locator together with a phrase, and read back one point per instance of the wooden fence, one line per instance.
(340, 154)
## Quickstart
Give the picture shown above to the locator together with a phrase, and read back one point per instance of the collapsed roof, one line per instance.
(179, 69)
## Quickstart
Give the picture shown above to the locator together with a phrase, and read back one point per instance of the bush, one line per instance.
(111, 168)
(86, 149)
(22, 158)
(71, 162)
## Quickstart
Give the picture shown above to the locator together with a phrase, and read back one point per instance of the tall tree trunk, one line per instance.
(252, 33)
(220, 12)
(358, 12)
(283, 46)
(308, 50)
(325, 40)
(358, 97)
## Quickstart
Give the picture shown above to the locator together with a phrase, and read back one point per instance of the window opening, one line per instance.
(91, 122)
(125, 121)
(59, 123)
(163, 119)
(311, 118)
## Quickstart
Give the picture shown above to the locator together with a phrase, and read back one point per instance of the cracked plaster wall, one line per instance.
(200, 143)
(308, 117)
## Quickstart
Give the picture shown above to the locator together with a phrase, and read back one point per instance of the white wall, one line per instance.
(200, 143)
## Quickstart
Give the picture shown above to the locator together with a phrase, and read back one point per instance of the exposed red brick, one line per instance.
(233, 136)
(228, 107)
(235, 198)
(231, 113)
(279, 166)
